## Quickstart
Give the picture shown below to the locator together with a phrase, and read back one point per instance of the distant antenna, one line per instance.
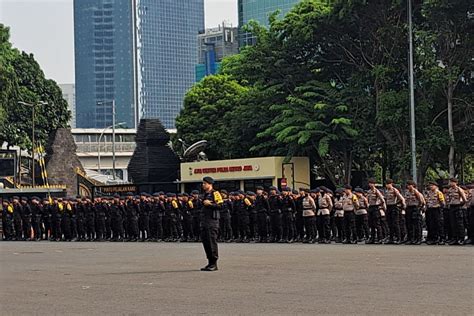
(195, 152)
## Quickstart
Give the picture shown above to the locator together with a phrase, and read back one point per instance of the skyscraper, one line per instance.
(260, 10)
(139, 53)
(167, 55)
(104, 62)
(69, 94)
(213, 45)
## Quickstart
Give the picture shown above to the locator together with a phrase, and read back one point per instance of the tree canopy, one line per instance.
(330, 81)
(21, 79)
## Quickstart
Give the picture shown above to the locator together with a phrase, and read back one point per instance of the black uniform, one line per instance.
(209, 225)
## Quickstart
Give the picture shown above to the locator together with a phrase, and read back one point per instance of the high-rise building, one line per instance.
(104, 62)
(213, 45)
(167, 55)
(139, 53)
(260, 11)
(69, 94)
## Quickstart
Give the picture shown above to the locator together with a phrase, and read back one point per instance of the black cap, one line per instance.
(348, 187)
(224, 191)
(116, 196)
(339, 190)
(295, 192)
(389, 181)
(16, 197)
(258, 187)
(372, 180)
(432, 183)
(411, 182)
(251, 193)
(209, 180)
(359, 190)
(129, 194)
(287, 189)
(156, 194)
(194, 192)
(453, 180)
(273, 188)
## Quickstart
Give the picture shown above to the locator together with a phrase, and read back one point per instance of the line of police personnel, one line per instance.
(320, 215)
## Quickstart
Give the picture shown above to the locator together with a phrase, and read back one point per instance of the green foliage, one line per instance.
(330, 81)
(21, 79)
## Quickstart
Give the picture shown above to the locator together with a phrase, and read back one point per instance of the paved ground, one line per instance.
(149, 278)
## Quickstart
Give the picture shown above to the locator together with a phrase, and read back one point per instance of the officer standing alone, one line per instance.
(210, 214)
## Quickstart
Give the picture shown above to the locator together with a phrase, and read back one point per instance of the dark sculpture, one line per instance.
(153, 160)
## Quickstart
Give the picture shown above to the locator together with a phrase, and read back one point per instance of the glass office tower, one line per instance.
(103, 40)
(140, 53)
(167, 55)
(260, 10)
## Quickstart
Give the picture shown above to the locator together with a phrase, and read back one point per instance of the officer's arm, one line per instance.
(401, 198)
(463, 196)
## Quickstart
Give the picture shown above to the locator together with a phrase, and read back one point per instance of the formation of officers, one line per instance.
(389, 215)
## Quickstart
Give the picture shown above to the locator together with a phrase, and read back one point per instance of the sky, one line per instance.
(46, 29)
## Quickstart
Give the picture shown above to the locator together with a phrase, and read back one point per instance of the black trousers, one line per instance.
(262, 225)
(275, 218)
(393, 218)
(339, 222)
(309, 227)
(196, 229)
(117, 228)
(362, 226)
(434, 223)
(287, 226)
(244, 221)
(324, 230)
(209, 233)
(350, 232)
(299, 224)
(413, 219)
(456, 220)
(225, 227)
(374, 223)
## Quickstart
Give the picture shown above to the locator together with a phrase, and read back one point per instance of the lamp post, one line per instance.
(412, 94)
(113, 137)
(99, 139)
(33, 182)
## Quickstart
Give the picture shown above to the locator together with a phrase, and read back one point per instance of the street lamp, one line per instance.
(113, 146)
(412, 94)
(33, 137)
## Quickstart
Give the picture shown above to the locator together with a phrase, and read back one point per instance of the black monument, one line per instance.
(154, 166)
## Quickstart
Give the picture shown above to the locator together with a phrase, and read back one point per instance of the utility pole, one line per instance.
(412, 94)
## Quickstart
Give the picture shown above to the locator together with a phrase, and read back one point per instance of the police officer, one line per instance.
(288, 211)
(339, 214)
(434, 214)
(456, 198)
(350, 203)
(7, 218)
(26, 218)
(116, 218)
(262, 207)
(225, 220)
(275, 203)
(212, 203)
(415, 203)
(325, 206)
(362, 222)
(376, 200)
(392, 199)
(197, 205)
(36, 214)
(17, 211)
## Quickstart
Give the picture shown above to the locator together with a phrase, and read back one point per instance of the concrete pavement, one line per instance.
(47, 278)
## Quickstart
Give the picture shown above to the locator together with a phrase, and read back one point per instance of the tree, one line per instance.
(204, 114)
(21, 79)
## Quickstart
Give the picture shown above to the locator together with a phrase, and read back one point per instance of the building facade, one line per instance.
(69, 94)
(139, 53)
(213, 45)
(104, 62)
(259, 10)
(246, 174)
(167, 55)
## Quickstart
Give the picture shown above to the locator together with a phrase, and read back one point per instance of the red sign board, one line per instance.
(283, 183)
